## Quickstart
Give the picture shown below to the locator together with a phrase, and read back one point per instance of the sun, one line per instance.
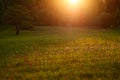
(73, 2)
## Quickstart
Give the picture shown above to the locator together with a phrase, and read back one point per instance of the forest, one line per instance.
(98, 13)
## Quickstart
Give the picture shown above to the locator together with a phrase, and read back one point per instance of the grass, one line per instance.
(60, 54)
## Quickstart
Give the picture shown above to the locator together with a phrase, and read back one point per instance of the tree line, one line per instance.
(26, 13)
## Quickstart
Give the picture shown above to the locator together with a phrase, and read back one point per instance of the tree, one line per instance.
(116, 18)
(2, 8)
(106, 20)
(18, 16)
(110, 14)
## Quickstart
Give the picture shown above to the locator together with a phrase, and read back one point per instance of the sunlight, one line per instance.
(73, 2)
(76, 2)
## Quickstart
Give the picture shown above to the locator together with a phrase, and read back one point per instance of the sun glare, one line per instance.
(74, 2)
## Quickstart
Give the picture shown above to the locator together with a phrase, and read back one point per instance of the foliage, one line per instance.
(116, 18)
(106, 20)
(17, 15)
(104, 8)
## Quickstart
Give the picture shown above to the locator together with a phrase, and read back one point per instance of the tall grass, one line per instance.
(60, 54)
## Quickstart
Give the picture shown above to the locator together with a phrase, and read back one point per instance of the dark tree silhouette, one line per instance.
(18, 16)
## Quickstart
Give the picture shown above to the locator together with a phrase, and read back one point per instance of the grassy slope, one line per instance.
(60, 54)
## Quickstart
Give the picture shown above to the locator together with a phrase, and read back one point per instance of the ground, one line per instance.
(60, 53)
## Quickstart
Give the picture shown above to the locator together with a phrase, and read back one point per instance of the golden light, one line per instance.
(74, 2)
(72, 8)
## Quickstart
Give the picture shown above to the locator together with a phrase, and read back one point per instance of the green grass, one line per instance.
(60, 54)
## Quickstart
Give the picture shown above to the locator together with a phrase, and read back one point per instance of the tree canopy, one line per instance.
(46, 12)
(18, 16)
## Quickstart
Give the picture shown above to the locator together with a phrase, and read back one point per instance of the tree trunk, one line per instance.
(17, 30)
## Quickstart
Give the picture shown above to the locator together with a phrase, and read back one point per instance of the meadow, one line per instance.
(60, 53)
